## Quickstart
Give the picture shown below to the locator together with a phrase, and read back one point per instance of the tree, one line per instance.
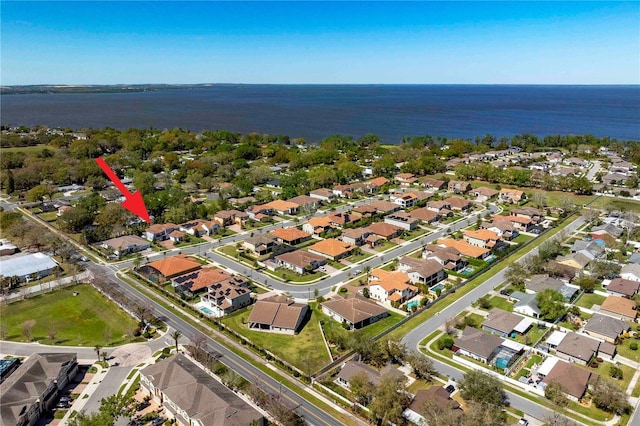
(483, 388)
(176, 335)
(38, 193)
(389, 401)
(551, 304)
(609, 397)
(52, 333)
(421, 365)
(587, 283)
(603, 269)
(361, 388)
(483, 414)
(394, 349)
(137, 261)
(556, 393)
(97, 348)
(516, 275)
(111, 409)
(539, 199)
(436, 413)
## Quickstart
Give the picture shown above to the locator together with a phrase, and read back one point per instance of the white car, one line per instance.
(523, 422)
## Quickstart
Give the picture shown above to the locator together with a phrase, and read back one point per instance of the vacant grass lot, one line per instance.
(80, 320)
(502, 303)
(587, 300)
(612, 203)
(26, 149)
(293, 349)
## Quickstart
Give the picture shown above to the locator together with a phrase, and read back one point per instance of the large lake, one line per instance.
(316, 111)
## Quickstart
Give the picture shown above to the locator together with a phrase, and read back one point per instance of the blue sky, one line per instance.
(308, 42)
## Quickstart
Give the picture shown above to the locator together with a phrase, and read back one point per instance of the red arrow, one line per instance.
(133, 202)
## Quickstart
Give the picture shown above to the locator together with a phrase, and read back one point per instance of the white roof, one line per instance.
(555, 338)
(547, 365)
(512, 345)
(22, 265)
(523, 325)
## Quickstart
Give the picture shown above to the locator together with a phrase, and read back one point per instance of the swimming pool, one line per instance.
(490, 258)
(413, 303)
(467, 270)
(206, 310)
(437, 287)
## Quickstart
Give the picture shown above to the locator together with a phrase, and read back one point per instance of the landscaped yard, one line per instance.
(49, 216)
(521, 239)
(384, 245)
(502, 303)
(87, 319)
(611, 203)
(414, 234)
(292, 276)
(359, 257)
(625, 351)
(293, 349)
(587, 300)
(532, 336)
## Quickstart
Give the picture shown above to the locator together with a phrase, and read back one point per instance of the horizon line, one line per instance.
(70, 85)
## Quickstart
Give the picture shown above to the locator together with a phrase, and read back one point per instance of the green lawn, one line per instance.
(380, 326)
(625, 351)
(78, 320)
(414, 234)
(26, 149)
(587, 300)
(293, 349)
(384, 245)
(616, 204)
(521, 239)
(502, 303)
(292, 276)
(49, 216)
(531, 336)
(359, 257)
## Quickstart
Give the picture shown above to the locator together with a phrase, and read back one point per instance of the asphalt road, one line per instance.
(312, 414)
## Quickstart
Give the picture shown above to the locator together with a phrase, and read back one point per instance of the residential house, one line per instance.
(199, 227)
(306, 203)
(384, 207)
(273, 183)
(402, 220)
(607, 228)
(192, 396)
(577, 261)
(366, 210)
(539, 283)
(258, 212)
(606, 328)
(483, 193)
(332, 248)
(230, 217)
(457, 203)
(534, 214)
(124, 245)
(614, 179)
(505, 323)
(449, 257)
(405, 179)
(426, 272)
(624, 288)
(278, 314)
(478, 345)
(197, 281)
(390, 286)
(465, 248)
(261, 244)
(574, 380)
(160, 231)
(441, 207)
(511, 196)
(177, 236)
(318, 225)
(434, 184)
(619, 307)
(63, 209)
(34, 387)
(425, 215)
(482, 238)
(7, 248)
(384, 230)
(169, 267)
(591, 249)
(227, 296)
(27, 266)
(339, 220)
(356, 312)
(404, 200)
(374, 185)
(355, 236)
(352, 368)
(520, 223)
(526, 304)
(503, 228)
(634, 258)
(300, 261)
(323, 194)
(283, 207)
(458, 187)
(435, 394)
(344, 191)
(291, 236)
(631, 272)
(577, 348)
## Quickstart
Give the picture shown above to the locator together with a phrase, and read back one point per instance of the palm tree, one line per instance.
(137, 261)
(176, 335)
(97, 348)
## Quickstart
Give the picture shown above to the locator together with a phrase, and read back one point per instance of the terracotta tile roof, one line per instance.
(620, 305)
(487, 192)
(355, 232)
(464, 247)
(323, 192)
(432, 182)
(511, 192)
(201, 278)
(323, 221)
(573, 379)
(513, 219)
(482, 234)
(457, 202)
(379, 181)
(382, 206)
(177, 234)
(176, 265)
(384, 229)
(332, 247)
(405, 175)
(355, 309)
(424, 214)
(300, 258)
(289, 234)
(230, 214)
(303, 200)
(390, 280)
(161, 227)
(365, 209)
(281, 205)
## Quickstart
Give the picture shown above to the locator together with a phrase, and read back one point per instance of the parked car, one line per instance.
(505, 292)
(450, 388)
(158, 421)
(523, 422)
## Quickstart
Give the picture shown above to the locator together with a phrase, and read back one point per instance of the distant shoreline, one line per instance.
(134, 88)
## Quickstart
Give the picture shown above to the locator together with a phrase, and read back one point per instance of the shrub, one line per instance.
(445, 342)
(633, 346)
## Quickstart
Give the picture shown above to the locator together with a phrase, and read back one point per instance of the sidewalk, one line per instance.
(47, 286)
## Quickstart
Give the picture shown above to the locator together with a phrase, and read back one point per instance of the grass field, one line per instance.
(293, 349)
(587, 300)
(25, 149)
(502, 303)
(80, 320)
(611, 203)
